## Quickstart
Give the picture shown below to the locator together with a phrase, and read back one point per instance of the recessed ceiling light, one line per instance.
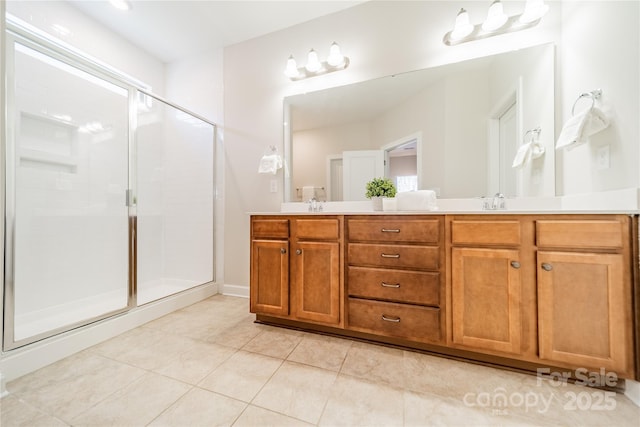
(121, 4)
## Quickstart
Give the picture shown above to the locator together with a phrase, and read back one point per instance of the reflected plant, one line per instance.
(380, 187)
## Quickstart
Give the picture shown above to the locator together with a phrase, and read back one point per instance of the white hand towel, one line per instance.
(580, 127)
(571, 134)
(308, 193)
(598, 121)
(522, 156)
(270, 163)
(421, 200)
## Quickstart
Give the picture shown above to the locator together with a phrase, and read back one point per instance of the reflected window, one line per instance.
(407, 183)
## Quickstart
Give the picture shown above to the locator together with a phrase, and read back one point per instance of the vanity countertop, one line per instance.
(625, 201)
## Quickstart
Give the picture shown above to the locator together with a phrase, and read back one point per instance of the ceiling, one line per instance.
(174, 29)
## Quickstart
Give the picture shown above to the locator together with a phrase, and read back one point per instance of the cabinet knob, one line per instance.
(547, 267)
(283, 251)
(298, 251)
(515, 264)
(392, 319)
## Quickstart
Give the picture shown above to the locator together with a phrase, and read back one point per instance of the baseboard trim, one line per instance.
(235, 290)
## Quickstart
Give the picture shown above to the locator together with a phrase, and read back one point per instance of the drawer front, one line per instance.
(326, 228)
(595, 234)
(394, 230)
(396, 320)
(414, 287)
(276, 228)
(485, 233)
(423, 257)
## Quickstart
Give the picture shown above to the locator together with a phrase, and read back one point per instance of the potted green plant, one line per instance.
(378, 188)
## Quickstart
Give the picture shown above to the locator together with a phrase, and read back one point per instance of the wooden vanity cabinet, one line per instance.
(316, 285)
(395, 281)
(269, 289)
(584, 293)
(491, 285)
(518, 290)
(296, 268)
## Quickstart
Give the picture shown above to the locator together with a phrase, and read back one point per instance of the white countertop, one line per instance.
(626, 201)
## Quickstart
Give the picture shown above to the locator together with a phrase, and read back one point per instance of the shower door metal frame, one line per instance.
(18, 35)
(38, 41)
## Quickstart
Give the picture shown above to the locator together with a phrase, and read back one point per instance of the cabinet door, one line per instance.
(316, 281)
(584, 310)
(485, 300)
(270, 277)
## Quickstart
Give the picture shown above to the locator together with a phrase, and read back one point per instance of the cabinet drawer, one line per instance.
(415, 287)
(395, 230)
(327, 229)
(398, 320)
(596, 234)
(275, 228)
(424, 257)
(485, 233)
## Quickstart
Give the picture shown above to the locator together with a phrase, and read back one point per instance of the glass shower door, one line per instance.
(174, 199)
(67, 176)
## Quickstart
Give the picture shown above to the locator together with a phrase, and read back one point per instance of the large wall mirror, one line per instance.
(455, 128)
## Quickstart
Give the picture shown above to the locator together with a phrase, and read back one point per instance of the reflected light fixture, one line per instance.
(497, 22)
(314, 67)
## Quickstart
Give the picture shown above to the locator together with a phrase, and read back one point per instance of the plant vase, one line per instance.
(377, 203)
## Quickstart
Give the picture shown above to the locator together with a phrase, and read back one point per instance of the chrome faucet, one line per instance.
(314, 205)
(495, 203)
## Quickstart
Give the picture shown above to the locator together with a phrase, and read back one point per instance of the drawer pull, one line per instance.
(547, 267)
(390, 255)
(390, 285)
(391, 319)
(515, 264)
(390, 230)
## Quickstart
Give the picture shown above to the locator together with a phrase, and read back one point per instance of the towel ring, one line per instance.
(594, 94)
(535, 134)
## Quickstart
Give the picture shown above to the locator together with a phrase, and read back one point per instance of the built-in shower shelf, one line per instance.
(38, 158)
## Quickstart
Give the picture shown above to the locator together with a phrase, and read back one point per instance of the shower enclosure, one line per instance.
(109, 198)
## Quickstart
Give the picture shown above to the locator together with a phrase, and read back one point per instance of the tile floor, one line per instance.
(209, 365)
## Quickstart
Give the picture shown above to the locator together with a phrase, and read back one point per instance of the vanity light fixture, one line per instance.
(314, 67)
(497, 22)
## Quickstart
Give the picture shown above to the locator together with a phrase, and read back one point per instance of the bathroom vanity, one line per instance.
(519, 290)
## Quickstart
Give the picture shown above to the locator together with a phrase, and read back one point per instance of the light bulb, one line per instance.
(495, 17)
(313, 63)
(462, 27)
(533, 10)
(292, 68)
(335, 59)
(121, 4)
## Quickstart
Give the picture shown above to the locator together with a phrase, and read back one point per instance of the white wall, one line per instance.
(92, 38)
(312, 147)
(380, 38)
(599, 49)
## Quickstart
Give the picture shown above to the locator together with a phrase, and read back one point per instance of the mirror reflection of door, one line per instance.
(334, 187)
(360, 167)
(508, 147)
(401, 165)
